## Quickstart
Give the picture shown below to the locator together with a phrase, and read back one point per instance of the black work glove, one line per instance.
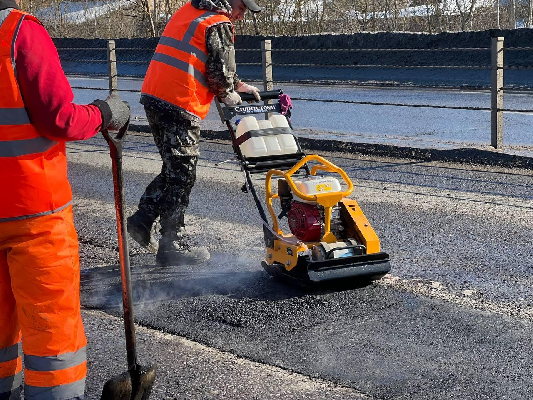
(115, 112)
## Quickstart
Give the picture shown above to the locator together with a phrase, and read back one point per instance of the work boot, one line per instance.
(176, 252)
(140, 229)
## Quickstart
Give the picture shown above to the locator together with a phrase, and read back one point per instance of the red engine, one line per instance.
(305, 221)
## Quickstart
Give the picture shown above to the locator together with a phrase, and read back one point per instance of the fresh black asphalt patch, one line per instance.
(381, 341)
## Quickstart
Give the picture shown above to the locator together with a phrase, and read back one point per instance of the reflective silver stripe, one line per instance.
(194, 24)
(73, 390)
(11, 352)
(16, 148)
(181, 65)
(13, 45)
(55, 363)
(36, 215)
(10, 383)
(186, 47)
(14, 116)
(3, 15)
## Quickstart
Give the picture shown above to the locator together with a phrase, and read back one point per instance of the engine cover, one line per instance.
(305, 221)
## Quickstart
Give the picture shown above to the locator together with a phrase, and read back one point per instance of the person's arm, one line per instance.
(47, 94)
(221, 72)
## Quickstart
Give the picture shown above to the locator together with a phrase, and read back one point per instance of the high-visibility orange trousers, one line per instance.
(40, 309)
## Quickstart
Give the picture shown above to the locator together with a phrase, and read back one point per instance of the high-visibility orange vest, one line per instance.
(176, 74)
(33, 168)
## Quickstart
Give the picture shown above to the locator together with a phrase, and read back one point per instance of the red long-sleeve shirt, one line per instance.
(46, 91)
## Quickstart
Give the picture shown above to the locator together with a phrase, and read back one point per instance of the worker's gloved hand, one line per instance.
(232, 99)
(115, 112)
(245, 88)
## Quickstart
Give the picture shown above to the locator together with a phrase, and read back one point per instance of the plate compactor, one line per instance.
(330, 238)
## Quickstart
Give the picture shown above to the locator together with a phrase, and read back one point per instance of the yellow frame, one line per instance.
(326, 199)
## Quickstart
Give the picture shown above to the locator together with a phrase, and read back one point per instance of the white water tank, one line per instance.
(271, 141)
(315, 185)
(254, 146)
(286, 141)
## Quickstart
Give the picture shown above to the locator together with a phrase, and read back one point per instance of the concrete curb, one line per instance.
(470, 156)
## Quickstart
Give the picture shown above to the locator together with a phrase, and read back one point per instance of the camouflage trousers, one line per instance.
(176, 136)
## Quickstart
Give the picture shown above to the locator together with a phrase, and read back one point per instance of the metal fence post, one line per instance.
(266, 53)
(496, 115)
(112, 64)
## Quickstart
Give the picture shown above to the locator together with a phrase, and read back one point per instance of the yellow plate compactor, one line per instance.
(330, 238)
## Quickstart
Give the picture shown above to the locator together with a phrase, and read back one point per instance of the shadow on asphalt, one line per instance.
(151, 285)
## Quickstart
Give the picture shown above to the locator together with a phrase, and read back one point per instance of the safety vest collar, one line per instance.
(10, 20)
(3, 15)
(12, 111)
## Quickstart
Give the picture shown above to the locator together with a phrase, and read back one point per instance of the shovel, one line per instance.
(136, 383)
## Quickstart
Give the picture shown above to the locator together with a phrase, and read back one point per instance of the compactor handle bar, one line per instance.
(325, 165)
(265, 95)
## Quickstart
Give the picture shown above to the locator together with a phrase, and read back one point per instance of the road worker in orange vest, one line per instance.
(39, 266)
(193, 62)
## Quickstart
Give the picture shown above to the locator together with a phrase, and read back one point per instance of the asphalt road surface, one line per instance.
(453, 319)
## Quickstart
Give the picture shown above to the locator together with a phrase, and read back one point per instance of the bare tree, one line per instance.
(148, 15)
(465, 11)
(513, 14)
(429, 12)
(437, 14)
(498, 14)
(364, 14)
(285, 17)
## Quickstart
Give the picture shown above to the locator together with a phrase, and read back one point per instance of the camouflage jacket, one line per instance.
(220, 66)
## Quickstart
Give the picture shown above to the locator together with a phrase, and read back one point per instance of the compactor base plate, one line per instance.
(362, 268)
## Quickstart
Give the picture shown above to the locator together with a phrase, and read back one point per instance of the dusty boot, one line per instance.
(176, 251)
(140, 229)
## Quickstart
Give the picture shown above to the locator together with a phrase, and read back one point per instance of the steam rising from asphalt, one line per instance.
(224, 274)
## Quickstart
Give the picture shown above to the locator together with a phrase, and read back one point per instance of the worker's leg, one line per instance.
(140, 224)
(10, 338)
(149, 204)
(179, 151)
(45, 277)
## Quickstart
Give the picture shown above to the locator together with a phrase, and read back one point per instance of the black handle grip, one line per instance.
(115, 141)
(117, 137)
(266, 95)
